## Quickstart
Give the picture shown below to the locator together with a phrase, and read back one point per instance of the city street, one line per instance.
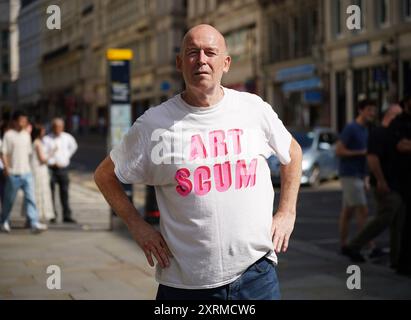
(100, 264)
(227, 77)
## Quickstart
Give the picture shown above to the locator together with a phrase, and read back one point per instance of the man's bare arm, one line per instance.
(342, 151)
(375, 167)
(149, 239)
(284, 219)
(6, 165)
(404, 146)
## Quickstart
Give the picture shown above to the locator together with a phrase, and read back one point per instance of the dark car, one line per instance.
(319, 159)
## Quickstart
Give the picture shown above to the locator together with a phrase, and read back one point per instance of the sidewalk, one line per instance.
(95, 263)
(98, 264)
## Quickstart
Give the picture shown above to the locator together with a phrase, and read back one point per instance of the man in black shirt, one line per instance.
(401, 130)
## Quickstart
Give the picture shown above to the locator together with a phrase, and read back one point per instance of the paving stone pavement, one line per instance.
(94, 265)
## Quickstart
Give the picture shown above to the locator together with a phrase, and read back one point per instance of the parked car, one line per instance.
(319, 159)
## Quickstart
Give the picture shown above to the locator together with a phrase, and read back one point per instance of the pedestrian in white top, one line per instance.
(205, 152)
(15, 153)
(41, 176)
(4, 126)
(60, 146)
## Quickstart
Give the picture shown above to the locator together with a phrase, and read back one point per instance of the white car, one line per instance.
(319, 159)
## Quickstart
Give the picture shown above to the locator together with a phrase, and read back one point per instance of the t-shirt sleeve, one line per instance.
(279, 138)
(130, 157)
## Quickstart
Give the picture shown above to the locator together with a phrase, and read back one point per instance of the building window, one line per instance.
(5, 39)
(308, 31)
(382, 12)
(5, 89)
(313, 26)
(336, 16)
(295, 41)
(5, 65)
(275, 48)
(239, 43)
(25, 3)
(87, 10)
(294, 36)
(279, 40)
(406, 8)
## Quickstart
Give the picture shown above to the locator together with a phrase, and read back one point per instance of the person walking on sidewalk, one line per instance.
(41, 176)
(4, 126)
(401, 128)
(205, 153)
(15, 153)
(385, 188)
(352, 150)
(60, 146)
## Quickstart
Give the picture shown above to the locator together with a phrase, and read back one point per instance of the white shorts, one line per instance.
(353, 190)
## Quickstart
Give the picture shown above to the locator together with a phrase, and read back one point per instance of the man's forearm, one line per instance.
(290, 180)
(113, 192)
(404, 146)
(342, 151)
(375, 167)
(5, 162)
(147, 237)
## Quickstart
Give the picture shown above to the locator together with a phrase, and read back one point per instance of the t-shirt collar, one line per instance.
(208, 109)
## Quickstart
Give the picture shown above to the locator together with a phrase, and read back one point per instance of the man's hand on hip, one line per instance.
(283, 221)
(148, 238)
(281, 229)
(152, 243)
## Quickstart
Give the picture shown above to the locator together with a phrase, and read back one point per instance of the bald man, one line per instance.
(205, 153)
(385, 188)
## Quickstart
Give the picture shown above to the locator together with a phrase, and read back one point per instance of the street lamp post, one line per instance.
(120, 104)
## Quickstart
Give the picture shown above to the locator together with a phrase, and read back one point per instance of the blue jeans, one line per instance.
(13, 184)
(258, 282)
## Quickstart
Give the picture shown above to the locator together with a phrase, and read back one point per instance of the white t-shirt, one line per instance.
(17, 148)
(60, 148)
(212, 182)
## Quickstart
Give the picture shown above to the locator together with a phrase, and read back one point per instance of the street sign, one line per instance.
(120, 102)
(359, 49)
(119, 89)
(297, 72)
(314, 97)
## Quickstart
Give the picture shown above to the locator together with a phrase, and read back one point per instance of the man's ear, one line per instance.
(227, 64)
(178, 63)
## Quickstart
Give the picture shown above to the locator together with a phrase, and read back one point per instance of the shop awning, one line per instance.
(302, 85)
(297, 72)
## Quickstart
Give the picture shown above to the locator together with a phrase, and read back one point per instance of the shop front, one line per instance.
(299, 90)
